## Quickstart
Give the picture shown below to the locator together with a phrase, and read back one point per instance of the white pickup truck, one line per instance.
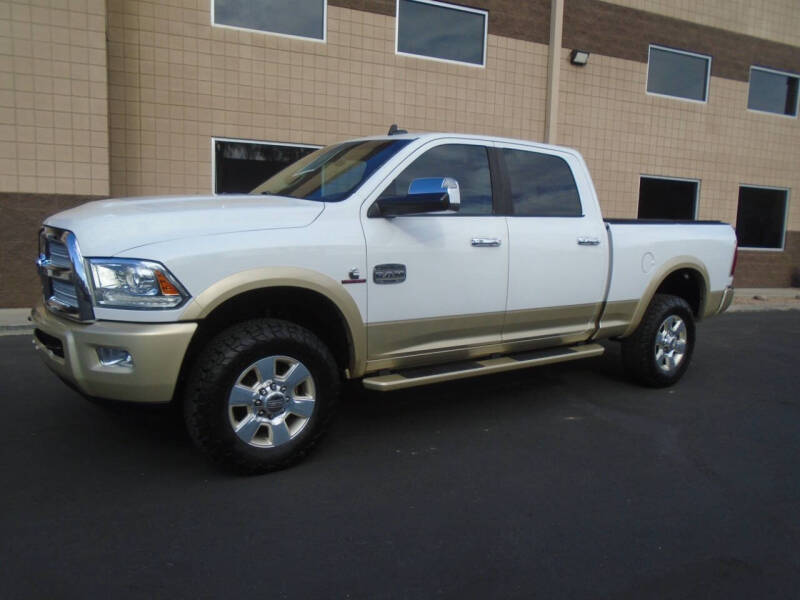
(399, 260)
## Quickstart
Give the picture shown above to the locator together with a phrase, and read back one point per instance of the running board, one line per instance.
(484, 366)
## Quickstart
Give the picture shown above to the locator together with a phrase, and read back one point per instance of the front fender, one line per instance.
(267, 277)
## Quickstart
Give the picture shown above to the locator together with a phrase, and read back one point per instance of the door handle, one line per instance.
(588, 241)
(485, 242)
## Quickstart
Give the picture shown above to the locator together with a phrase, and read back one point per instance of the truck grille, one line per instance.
(64, 293)
(64, 283)
(59, 255)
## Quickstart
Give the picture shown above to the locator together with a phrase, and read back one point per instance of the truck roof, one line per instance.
(470, 136)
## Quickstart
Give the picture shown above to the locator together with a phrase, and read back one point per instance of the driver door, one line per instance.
(446, 293)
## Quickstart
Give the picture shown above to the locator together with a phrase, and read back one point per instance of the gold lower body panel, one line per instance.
(417, 342)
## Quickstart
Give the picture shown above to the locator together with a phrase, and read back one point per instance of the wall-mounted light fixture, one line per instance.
(579, 57)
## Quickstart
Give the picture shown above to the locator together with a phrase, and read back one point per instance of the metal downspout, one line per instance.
(553, 70)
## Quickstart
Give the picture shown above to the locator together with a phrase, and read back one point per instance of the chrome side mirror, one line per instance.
(425, 195)
(436, 185)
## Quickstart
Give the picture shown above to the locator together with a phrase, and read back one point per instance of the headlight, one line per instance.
(134, 284)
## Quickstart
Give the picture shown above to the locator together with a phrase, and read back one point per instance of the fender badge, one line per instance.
(355, 277)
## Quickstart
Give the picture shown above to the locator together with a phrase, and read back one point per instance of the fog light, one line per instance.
(110, 357)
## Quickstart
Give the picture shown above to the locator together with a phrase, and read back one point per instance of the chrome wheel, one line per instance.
(271, 401)
(670, 344)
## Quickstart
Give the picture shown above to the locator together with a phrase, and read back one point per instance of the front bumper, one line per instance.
(69, 349)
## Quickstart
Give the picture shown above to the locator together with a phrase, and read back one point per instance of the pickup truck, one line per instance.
(398, 260)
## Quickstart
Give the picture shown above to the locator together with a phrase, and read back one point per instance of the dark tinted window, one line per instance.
(333, 173)
(674, 73)
(760, 220)
(241, 166)
(304, 18)
(439, 31)
(541, 185)
(672, 199)
(773, 92)
(467, 164)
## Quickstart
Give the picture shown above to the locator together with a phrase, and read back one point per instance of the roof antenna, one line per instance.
(393, 130)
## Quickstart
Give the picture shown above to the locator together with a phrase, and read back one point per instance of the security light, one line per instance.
(579, 57)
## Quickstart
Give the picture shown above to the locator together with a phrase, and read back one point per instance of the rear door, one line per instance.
(558, 248)
(446, 289)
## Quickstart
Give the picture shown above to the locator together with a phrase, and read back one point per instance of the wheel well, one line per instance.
(306, 308)
(686, 284)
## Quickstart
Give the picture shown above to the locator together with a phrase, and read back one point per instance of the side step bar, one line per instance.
(484, 366)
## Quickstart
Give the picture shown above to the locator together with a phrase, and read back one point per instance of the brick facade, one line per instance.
(123, 97)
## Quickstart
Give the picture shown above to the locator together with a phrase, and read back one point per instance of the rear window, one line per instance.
(542, 185)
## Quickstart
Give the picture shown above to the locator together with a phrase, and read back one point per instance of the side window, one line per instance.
(467, 164)
(541, 185)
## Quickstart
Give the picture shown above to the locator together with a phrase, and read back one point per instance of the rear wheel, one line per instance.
(659, 351)
(261, 395)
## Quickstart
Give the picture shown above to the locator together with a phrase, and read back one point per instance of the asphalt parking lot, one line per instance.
(560, 482)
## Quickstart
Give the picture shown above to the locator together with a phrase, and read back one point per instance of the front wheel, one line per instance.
(657, 354)
(261, 395)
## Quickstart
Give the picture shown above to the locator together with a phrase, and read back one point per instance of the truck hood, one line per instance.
(108, 227)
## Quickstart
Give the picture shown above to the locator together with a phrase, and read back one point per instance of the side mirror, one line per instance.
(425, 195)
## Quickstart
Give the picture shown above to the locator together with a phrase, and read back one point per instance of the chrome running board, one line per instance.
(473, 368)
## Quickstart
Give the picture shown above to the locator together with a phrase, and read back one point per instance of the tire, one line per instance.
(261, 395)
(658, 353)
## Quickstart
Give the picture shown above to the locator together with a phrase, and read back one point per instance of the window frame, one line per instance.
(708, 57)
(322, 40)
(786, 200)
(696, 211)
(776, 72)
(214, 141)
(469, 9)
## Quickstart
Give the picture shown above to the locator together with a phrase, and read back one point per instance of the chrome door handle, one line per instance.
(588, 241)
(485, 242)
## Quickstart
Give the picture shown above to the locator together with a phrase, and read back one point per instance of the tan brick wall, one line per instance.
(53, 97)
(623, 133)
(777, 20)
(175, 81)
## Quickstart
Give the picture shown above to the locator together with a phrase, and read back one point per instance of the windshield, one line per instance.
(332, 173)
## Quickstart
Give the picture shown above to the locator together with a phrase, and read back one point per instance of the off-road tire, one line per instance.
(206, 410)
(639, 351)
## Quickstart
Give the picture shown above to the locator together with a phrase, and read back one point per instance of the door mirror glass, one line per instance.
(425, 195)
(437, 185)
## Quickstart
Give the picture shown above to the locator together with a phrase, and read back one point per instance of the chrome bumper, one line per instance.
(69, 349)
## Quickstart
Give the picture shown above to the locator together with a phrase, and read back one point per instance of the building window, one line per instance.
(678, 74)
(240, 166)
(441, 31)
(296, 18)
(761, 218)
(541, 185)
(773, 92)
(668, 198)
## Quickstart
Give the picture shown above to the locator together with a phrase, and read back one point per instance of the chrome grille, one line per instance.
(58, 254)
(64, 293)
(66, 290)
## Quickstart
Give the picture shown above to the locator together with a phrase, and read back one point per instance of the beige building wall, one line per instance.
(777, 20)
(623, 133)
(53, 97)
(175, 81)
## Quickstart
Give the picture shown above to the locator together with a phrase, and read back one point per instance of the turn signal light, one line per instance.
(166, 287)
